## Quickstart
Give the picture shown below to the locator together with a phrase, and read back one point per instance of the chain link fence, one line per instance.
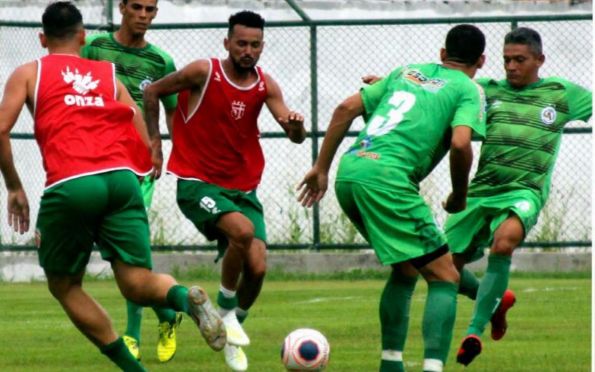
(318, 64)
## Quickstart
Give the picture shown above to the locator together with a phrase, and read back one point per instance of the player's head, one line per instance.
(464, 44)
(61, 20)
(523, 56)
(244, 40)
(62, 24)
(137, 15)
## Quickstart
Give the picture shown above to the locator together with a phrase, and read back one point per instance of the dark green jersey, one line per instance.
(409, 119)
(524, 130)
(135, 67)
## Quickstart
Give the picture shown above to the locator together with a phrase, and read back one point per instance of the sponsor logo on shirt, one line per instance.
(82, 84)
(261, 86)
(217, 76)
(548, 115)
(418, 78)
(523, 205)
(145, 83)
(238, 108)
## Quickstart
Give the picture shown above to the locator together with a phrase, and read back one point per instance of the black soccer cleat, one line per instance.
(470, 348)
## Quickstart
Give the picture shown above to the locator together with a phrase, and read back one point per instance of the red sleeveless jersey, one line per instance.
(218, 140)
(80, 127)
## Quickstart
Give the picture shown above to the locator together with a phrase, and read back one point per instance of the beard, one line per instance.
(245, 66)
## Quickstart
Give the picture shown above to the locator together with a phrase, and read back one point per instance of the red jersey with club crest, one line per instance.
(217, 141)
(80, 127)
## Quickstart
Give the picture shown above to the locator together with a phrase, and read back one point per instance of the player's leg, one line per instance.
(123, 239)
(395, 304)
(169, 321)
(91, 319)
(239, 232)
(438, 270)
(65, 230)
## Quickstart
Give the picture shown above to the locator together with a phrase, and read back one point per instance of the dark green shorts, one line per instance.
(204, 203)
(471, 230)
(398, 225)
(106, 209)
(147, 188)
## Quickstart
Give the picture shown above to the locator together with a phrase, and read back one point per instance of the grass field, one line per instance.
(549, 328)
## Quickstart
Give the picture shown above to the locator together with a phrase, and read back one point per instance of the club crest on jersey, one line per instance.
(82, 84)
(237, 109)
(548, 115)
(145, 83)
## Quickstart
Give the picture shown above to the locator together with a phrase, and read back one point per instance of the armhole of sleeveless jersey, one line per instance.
(36, 88)
(202, 94)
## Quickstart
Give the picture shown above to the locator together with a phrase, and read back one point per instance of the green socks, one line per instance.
(165, 314)
(119, 354)
(177, 298)
(395, 303)
(469, 284)
(135, 314)
(227, 299)
(438, 321)
(492, 287)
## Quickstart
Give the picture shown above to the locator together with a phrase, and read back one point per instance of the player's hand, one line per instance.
(454, 203)
(157, 160)
(313, 187)
(18, 211)
(371, 79)
(293, 120)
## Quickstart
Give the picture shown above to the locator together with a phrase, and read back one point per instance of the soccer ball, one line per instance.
(305, 349)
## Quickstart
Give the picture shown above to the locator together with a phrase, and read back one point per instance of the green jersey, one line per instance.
(135, 67)
(409, 119)
(524, 131)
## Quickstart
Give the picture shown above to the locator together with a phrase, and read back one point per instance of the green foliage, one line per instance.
(549, 328)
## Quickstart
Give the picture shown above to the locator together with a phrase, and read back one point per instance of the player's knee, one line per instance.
(503, 246)
(242, 238)
(257, 271)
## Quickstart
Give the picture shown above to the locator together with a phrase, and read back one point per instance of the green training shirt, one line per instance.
(409, 119)
(524, 131)
(135, 67)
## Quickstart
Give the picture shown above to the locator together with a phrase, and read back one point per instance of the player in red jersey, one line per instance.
(84, 123)
(218, 161)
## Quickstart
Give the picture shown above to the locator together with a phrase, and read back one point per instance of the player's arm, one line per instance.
(314, 185)
(124, 97)
(193, 76)
(291, 121)
(461, 158)
(15, 96)
(169, 120)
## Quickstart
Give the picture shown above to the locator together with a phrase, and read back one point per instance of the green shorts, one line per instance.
(147, 187)
(204, 203)
(399, 225)
(471, 230)
(106, 209)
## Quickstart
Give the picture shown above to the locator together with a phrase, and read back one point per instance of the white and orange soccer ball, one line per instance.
(305, 349)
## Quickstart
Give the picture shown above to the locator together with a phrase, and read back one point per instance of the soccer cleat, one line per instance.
(498, 320)
(235, 333)
(235, 358)
(470, 348)
(132, 345)
(166, 347)
(206, 318)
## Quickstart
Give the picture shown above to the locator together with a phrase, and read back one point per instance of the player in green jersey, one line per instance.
(413, 117)
(139, 63)
(526, 115)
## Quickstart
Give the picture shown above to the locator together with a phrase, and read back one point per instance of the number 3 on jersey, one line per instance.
(401, 102)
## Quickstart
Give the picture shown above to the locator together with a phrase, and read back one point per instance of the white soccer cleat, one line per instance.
(235, 358)
(206, 318)
(235, 333)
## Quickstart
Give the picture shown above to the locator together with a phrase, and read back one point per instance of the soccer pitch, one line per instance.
(549, 328)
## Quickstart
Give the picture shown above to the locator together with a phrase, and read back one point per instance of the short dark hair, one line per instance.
(525, 36)
(61, 20)
(245, 18)
(465, 44)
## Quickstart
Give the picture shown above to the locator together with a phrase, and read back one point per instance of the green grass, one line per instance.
(549, 328)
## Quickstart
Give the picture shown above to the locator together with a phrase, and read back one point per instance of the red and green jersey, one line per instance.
(409, 119)
(135, 67)
(524, 131)
(80, 126)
